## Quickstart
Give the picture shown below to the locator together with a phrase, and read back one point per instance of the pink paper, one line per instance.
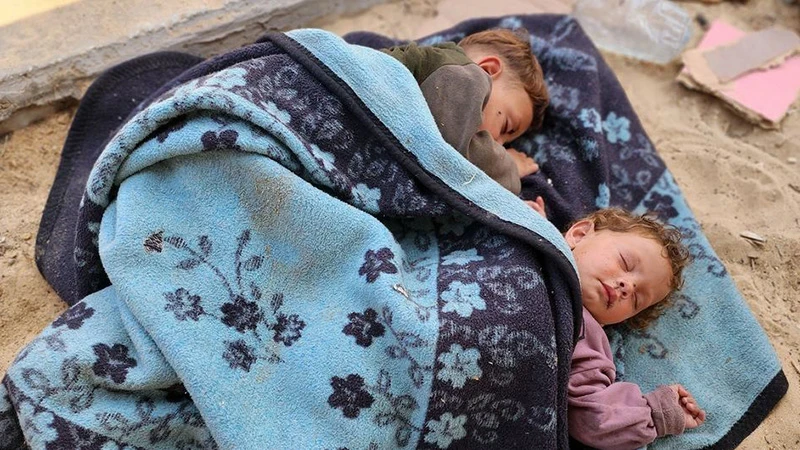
(770, 92)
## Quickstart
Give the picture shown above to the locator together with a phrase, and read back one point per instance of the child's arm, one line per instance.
(456, 95)
(607, 414)
(618, 415)
(494, 160)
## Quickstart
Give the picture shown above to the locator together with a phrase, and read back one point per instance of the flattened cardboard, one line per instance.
(762, 97)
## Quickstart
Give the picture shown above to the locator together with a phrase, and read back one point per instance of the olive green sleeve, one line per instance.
(456, 95)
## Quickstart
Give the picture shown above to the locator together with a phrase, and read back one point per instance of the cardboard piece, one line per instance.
(763, 96)
(761, 50)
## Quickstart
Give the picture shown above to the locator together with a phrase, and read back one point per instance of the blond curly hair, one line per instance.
(647, 225)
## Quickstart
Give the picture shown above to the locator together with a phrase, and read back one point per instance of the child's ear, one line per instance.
(491, 64)
(578, 231)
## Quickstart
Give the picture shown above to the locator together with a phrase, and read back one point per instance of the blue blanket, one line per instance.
(297, 260)
(594, 153)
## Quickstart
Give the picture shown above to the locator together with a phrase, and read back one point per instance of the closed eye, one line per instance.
(628, 269)
(625, 263)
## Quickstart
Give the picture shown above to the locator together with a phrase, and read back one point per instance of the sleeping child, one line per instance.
(628, 265)
(483, 93)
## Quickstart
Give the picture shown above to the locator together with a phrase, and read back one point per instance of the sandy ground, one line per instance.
(736, 177)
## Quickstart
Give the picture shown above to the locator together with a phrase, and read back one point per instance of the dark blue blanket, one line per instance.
(434, 310)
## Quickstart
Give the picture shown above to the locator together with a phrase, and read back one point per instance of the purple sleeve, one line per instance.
(605, 414)
(666, 411)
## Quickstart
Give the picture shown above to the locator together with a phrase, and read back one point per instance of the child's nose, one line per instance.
(625, 287)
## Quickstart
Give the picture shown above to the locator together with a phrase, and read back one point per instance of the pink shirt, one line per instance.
(609, 415)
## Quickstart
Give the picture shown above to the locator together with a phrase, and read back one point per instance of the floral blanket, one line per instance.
(298, 260)
(594, 153)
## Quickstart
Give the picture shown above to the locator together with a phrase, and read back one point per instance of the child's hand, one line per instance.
(693, 416)
(537, 206)
(525, 164)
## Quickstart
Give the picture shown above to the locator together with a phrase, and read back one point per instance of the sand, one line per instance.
(736, 177)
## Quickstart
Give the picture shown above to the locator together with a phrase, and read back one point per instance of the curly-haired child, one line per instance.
(628, 266)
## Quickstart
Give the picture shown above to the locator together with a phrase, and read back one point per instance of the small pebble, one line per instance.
(27, 237)
(791, 160)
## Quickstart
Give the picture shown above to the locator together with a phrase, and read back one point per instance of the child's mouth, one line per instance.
(611, 295)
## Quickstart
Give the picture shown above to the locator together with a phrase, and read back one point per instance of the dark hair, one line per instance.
(647, 225)
(514, 48)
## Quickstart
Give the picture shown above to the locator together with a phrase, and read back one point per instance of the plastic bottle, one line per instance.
(652, 30)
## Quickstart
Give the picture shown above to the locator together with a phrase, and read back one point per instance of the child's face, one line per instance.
(621, 274)
(509, 111)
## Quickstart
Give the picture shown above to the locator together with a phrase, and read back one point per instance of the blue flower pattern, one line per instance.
(462, 298)
(459, 365)
(444, 431)
(462, 257)
(616, 128)
(603, 199)
(591, 149)
(368, 198)
(563, 97)
(551, 53)
(591, 119)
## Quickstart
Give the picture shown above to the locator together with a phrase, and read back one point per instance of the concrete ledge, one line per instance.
(48, 58)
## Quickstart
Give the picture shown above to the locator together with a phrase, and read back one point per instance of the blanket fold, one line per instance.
(278, 250)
